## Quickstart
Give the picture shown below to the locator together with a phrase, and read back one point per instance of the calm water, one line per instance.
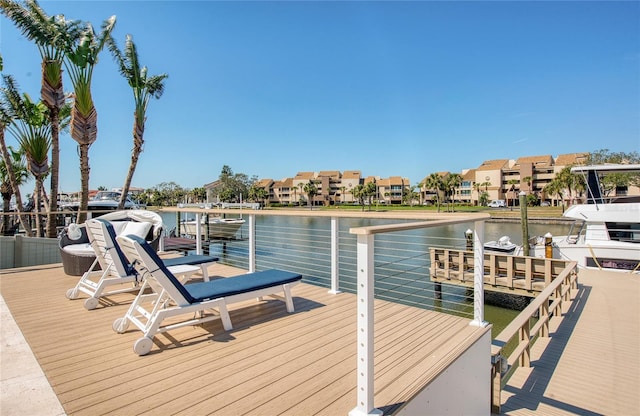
(301, 245)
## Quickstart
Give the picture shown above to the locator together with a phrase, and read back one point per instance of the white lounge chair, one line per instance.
(115, 269)
(168, 297)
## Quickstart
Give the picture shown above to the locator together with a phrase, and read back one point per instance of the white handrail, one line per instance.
(365, 299)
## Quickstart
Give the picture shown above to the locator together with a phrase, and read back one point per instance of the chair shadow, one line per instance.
(264, 311)
(543, 368)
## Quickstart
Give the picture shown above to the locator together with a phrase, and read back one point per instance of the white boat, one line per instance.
(103, 201)
(605, 234)
(502, 245)
(216, 228)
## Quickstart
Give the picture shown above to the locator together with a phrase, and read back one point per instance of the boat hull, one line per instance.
(598, 255)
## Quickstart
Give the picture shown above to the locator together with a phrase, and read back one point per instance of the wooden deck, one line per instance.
(271, 363)
(590, 365)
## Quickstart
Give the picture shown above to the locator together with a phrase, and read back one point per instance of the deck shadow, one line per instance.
(543, 368)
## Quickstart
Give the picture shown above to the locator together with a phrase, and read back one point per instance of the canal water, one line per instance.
(304, 240)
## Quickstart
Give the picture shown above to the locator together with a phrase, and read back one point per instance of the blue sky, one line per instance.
(387, 88)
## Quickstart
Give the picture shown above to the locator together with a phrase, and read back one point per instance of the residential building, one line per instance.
(391, 190)
(499, 179)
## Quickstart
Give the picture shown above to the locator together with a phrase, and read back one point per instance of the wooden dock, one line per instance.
(517, 275)
(590, 364)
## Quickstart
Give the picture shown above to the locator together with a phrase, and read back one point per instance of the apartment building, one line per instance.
(333, 187)
(499, 179)
(506, 178)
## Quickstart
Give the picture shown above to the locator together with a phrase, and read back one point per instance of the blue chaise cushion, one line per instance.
(235, 285)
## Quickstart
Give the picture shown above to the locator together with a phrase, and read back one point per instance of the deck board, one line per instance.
(272, 362)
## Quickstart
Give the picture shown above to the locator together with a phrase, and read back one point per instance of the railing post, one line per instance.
(525, 336)
(543, 313)
(252, 243)
(496, 386)
(478, 275)
(334, 256)
(365, 321)
(198, 233)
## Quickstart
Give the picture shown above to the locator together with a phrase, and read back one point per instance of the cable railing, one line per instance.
(304, 244)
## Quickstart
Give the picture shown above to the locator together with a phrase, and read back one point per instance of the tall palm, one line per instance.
(434, 183)
(81, 56)
(370, 190)
(358, 194)
(50, 34)
(476, 187)
(19, 171)
(512, 189)
(144, 87)
(311, 190)
(555, 187)
(451, 182)
(9, 114)
(31, 128)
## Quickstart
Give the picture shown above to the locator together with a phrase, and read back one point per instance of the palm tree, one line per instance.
(527, 180)
(555, 187)
(10, 112)
(50, 34)
(370, 191)
(19, 170)
(81, 56)
(476, 187)
(484, 198)
(435, 183)
(144, 87)
(409, 195)
(31, 128)
(451, 182)
(311, 190)
(567, 180)
(358, 193)
(512, 189)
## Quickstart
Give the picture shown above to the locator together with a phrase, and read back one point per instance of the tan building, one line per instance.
(333, 187)
(489, 179)
(390, 190)
(499, 179)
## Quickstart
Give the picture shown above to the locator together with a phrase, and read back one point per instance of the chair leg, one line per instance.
(288, 298)
(224, 317)
(205, 272)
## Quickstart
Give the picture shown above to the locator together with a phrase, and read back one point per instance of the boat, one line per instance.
(215, 228)
(503, 245)
(102, 202)
(605, 233)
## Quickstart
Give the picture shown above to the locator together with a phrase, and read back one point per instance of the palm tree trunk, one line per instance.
(14, 185)
(138, 141)
(84, 183)
(36, 208)
(84, 130)
(54, 114)
(53, 97)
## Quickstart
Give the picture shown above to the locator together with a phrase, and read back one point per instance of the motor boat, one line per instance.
(503, 245)
(215, 228)
(605, 233)
(102, 202)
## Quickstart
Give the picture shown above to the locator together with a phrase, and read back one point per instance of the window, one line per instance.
(621, 231)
